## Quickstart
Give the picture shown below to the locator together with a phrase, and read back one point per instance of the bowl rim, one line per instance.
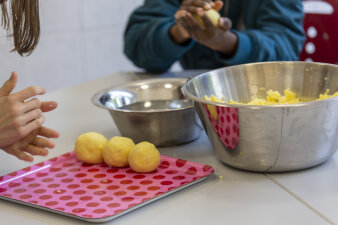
(223, 104)
(97, 95)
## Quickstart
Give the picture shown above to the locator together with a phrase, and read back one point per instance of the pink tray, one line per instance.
(96, 193)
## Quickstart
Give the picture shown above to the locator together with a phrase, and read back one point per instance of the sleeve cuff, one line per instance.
(242, 54)
(167, 46)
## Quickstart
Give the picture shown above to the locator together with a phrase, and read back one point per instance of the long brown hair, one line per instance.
(25, 24)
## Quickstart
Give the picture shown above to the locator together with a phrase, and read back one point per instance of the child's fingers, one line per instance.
(192, 23)
(180, 13)
(48, 106)
(9, 85)
(225, 23)
(31, 126)
(184, 24)
(29, 105)
(205, 4)
(207, 22)
(31, 115)
(28, 93)
(42, 142)
(48, 132)
(192, 9)
(218, 5)
(23, 156)
(15, 151)
(35, 150)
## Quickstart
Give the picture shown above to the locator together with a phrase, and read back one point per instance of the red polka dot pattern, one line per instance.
(95, 191)
(226, 126)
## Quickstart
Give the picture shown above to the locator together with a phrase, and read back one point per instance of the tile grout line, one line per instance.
(299, 199)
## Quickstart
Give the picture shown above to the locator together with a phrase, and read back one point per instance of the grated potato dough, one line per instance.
(326, 95)
(272, 98)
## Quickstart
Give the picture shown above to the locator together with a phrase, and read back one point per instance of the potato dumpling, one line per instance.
(89, 147)
(144, 157)
(117, 151)
(212, 14)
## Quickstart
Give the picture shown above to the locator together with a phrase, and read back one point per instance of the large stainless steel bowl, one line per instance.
(269, 138)
(152, 110)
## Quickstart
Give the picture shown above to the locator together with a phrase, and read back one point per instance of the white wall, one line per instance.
(81, 40)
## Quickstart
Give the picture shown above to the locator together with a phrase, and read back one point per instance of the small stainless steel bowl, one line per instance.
(269, 138)
(152, 110)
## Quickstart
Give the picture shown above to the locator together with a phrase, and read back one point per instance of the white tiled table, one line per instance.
(304, 197)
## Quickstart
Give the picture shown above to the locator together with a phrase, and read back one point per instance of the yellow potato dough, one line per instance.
(89, 147)
(326, 95)
(144, 157)
(212, 14)
(117, 151)
(272, 98)
(212, 109)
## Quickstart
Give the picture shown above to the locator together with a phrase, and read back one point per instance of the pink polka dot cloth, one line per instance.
(96, 193)
(226, 126)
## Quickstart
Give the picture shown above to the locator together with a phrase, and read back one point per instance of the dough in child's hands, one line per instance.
(212, 14)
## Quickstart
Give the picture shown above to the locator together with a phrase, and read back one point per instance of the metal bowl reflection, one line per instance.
(151, 110)
(269, 138)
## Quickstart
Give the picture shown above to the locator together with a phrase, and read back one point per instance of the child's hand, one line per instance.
(36, 143)
(198, 6)
(210, 35)
(190, 7)
(21, 120)
(216, 37)
(18, 117)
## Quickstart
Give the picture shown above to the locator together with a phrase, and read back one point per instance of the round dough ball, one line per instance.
(89, 147)
(144, 157)
(212, 14)
(117, 151)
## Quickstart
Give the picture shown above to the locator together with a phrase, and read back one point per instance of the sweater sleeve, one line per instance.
(147, 42)
(275, 35)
